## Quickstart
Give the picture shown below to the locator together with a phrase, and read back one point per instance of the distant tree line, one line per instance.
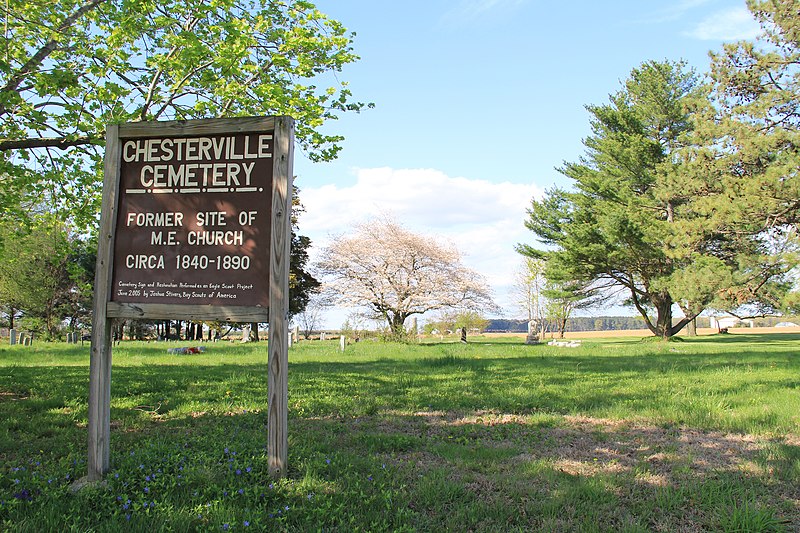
(615, 323)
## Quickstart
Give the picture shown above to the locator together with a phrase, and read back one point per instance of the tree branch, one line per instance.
(27, 144)
(33, 63)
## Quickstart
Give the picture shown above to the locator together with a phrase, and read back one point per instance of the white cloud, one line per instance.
(730, 25)
(485, 220)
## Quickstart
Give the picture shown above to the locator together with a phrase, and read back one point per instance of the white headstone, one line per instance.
(342, 342)
(12, 335)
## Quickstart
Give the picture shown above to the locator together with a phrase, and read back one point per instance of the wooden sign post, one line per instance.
(195, 225)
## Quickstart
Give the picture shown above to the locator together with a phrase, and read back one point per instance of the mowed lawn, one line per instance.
(620, 434)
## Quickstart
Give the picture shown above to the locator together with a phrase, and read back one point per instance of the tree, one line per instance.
(395, 274)
(529, 282)
(70, 67)
(302, 283)
(613, 229)
(755, 133)
(562, 298)
(45, 274)
(745, 156)
(310, 318)
(453, 320)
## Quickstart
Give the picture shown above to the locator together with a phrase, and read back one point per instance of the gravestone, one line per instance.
(342, 342)
(12, 337)
(322, 336)
(464, 335)
(533, 336)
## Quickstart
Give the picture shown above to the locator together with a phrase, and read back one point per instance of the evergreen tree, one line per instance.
(613, 228)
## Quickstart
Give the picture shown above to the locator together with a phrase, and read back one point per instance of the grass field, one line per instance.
(617, 435)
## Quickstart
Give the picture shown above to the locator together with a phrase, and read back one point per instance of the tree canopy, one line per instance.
(612, 229)
(745, 156)
(70, 67)
(395, 274)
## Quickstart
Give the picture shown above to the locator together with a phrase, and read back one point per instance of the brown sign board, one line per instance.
(193, 219)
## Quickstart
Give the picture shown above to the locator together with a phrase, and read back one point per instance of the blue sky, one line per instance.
(477, 102)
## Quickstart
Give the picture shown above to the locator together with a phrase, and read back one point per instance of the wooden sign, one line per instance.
(193, 222)
(195, 225)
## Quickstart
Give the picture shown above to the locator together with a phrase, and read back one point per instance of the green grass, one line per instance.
(617, 435)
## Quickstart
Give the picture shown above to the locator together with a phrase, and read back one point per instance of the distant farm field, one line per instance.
(619, 434)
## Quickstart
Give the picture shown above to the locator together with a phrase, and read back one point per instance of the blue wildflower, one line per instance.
(241, 491)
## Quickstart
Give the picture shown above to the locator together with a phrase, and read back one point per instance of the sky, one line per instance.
(477, 103)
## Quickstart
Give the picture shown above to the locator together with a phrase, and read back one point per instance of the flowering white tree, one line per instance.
(395, 274)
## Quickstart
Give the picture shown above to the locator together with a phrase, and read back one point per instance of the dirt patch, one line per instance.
(510, 459)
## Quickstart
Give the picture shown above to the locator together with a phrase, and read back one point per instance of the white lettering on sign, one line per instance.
(197, 164)
(194, 149)
(149, 262)
(216, 238)
(167, 219)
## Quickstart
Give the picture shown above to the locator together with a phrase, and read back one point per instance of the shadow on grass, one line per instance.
(702, 389)
(468, 438)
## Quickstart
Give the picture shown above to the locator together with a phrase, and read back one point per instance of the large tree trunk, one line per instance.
(397, 324)
(664, 318)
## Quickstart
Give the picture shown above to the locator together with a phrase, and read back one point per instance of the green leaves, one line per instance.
(71, 67)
